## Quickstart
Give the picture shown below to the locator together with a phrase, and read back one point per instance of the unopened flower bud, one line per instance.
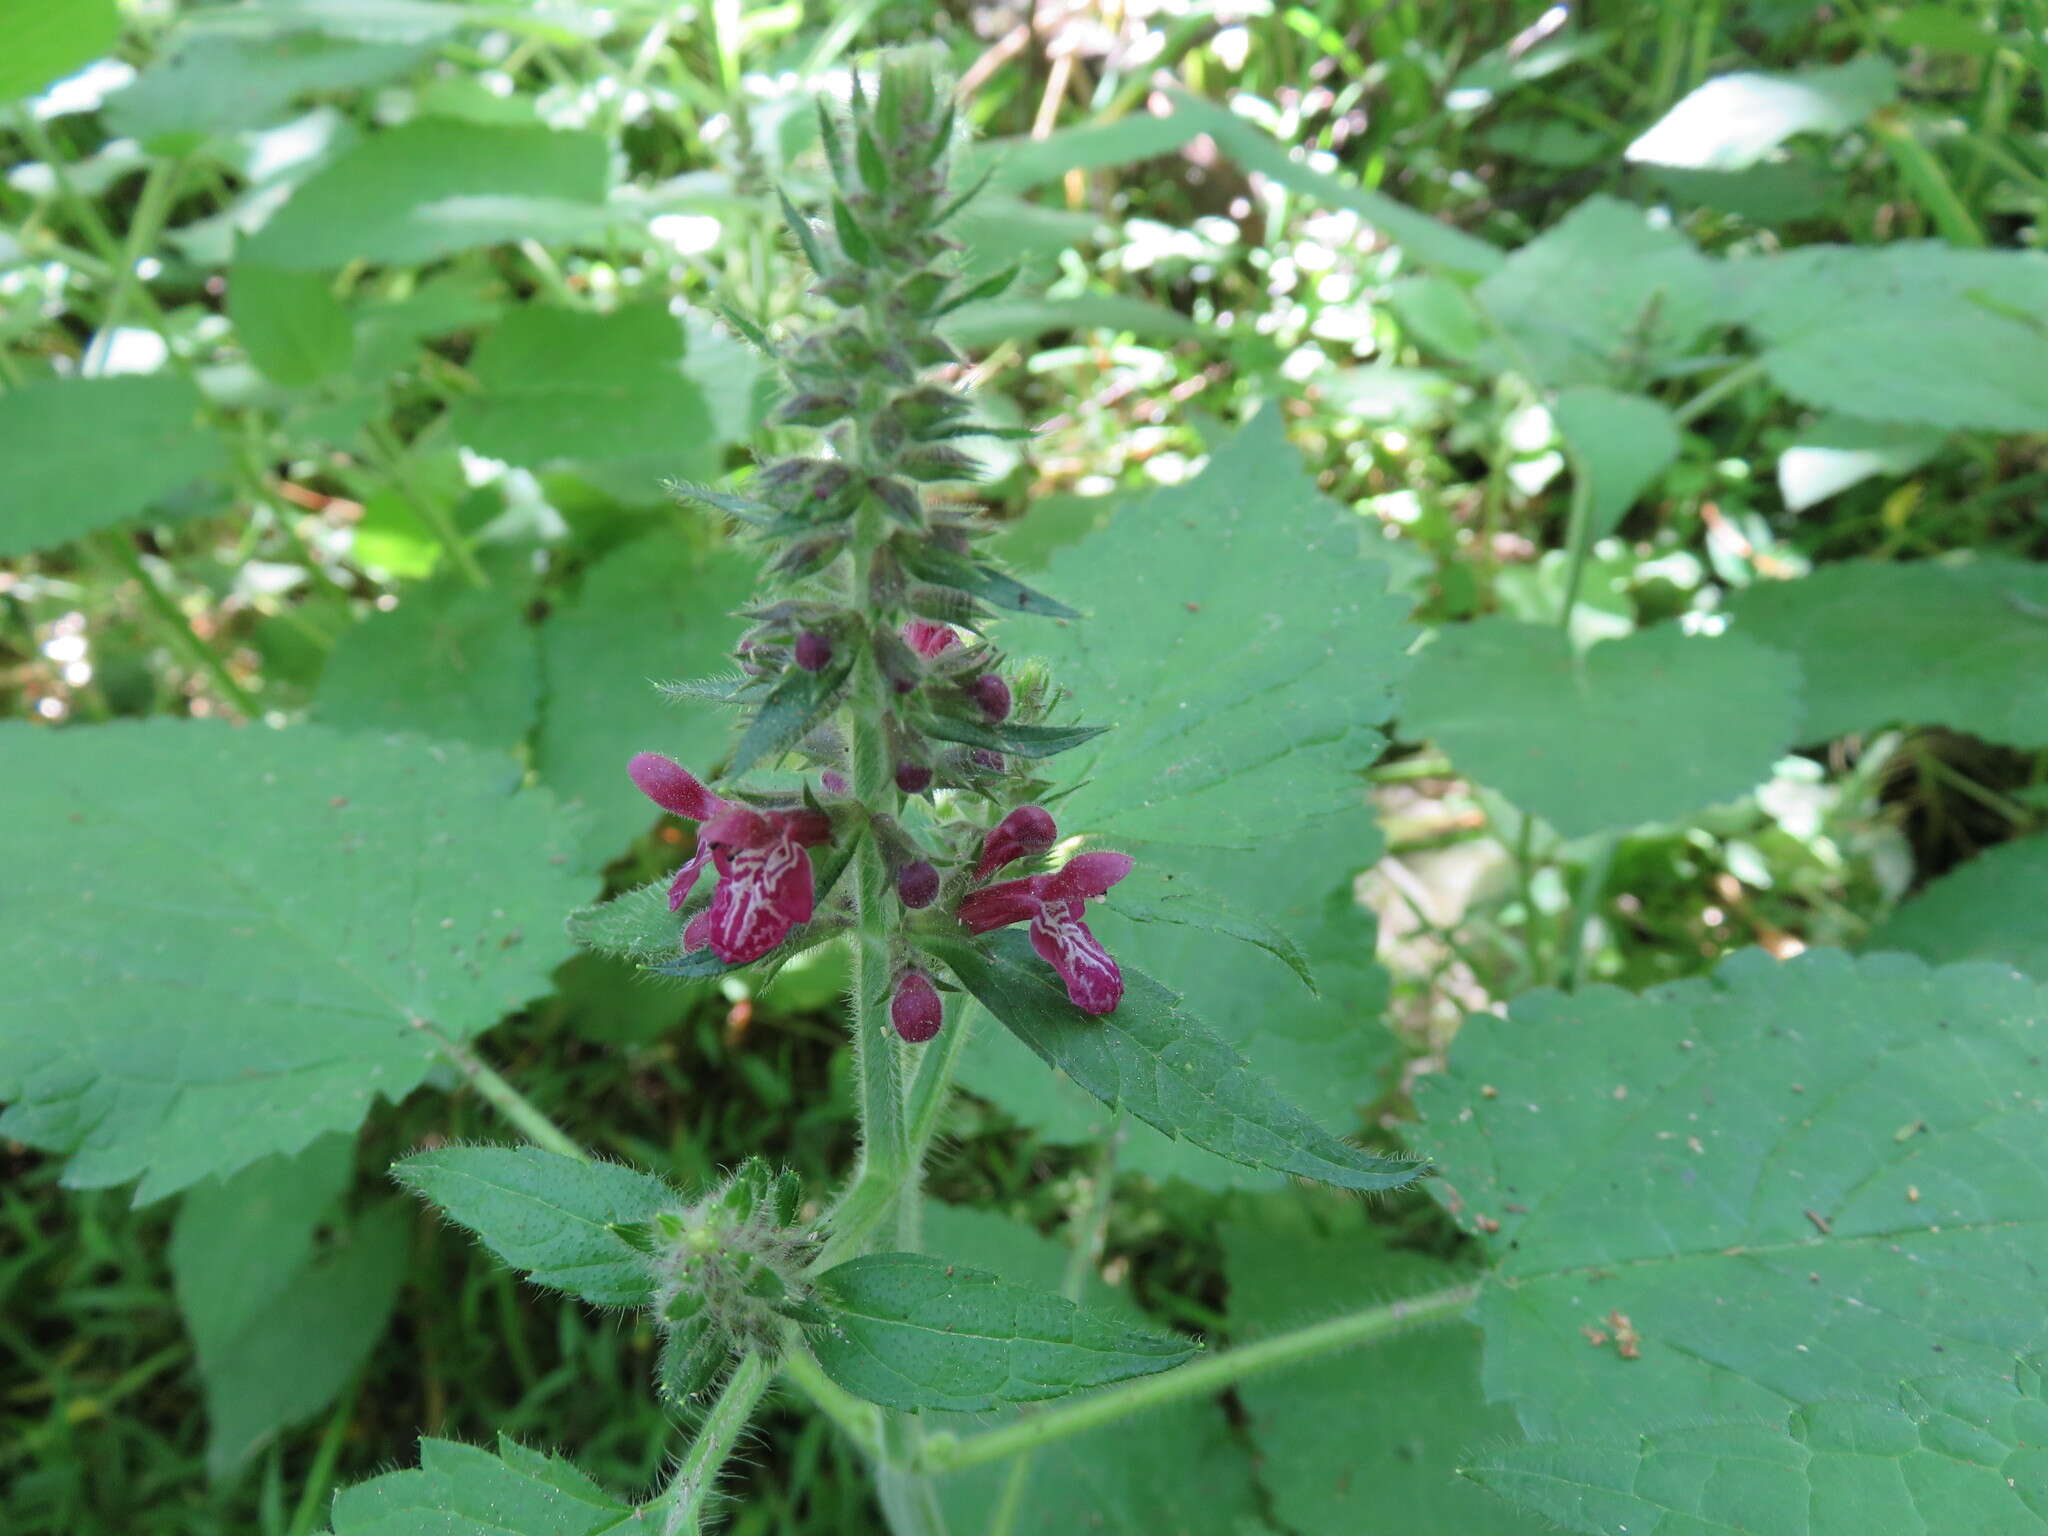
(814, 653)
(915, 1010)
(991, 695)
(982, 758)
(913, 778)
(1024, 833)
(929, 639)
(834, 781)
(917, 884)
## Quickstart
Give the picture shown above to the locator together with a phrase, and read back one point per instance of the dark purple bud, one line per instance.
(915, 1010)
(981, 757)
(834, 781)
(917, 885)
(1024, 833)
(991, 695)
(814, 653)
(913, 778)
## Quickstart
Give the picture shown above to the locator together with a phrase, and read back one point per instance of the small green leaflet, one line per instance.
(913, 1332)
(62, 483)
(1157, 1060)
(1951, 1453)
(291, 908)
(1619, 444)
(550, 1215)
(1791, 1182)
(1647, 728)
(464, 1490)
(1972, 628)
(1991, 908)
(798, 704)
(280, 1320)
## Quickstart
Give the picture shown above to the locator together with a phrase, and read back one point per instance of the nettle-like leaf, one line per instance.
(281, 1321)
(223, 83)
(1729, 1197)
(62, 483)
(1951, 1453)
(290, 323)
(1969, 630)
(650, 610)
(1646, 728)
(1992, 908)
(219, 941)
(1829, 319)
(464, 1490)
(910, 1331)
(1175, 1468)
(555, 1217)
(1155, 1058)
(1618, 444)
(469, 660)
(1363, 1440)
(435, 186)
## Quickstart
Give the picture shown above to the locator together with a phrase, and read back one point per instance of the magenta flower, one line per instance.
(764, 887)
(916, 1009)
(1026, 831)
(813, 651)
(929, 639)
(1053, 905)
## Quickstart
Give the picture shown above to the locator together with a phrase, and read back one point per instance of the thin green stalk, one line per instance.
(691, 1492)
(120, 548)
(320, 1476)
(1735, 378)
(1590, 886)
(860, 1422)
(527, 1117)
(1922, 171)
(391, 454)
(1577, 542)
(1525, 883)
(1213, 1374)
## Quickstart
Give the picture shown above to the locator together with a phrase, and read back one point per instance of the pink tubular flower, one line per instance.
(1053, 905)
(916, 1009)
(764, 886)
(928, 639)
(1026, 831)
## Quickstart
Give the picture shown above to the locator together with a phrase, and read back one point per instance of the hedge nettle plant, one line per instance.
(888, 790)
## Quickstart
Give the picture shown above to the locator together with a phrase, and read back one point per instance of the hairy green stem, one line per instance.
(860, 1422)
(695, 1484)
(1079, 1415)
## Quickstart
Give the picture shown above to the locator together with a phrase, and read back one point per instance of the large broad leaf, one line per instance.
(1367, 1439)
(1601, 297)
(555, 1217)
(1241, 643)
(281, 1321)
(212, 83)
(1647, 728)
(655, 609)
(292, 326)
(464, 1490)
(219, 941)
(1177, 1469)
(1619, 444)
(1734, 121)
(48, 39)
(1993, 908)
(62, 482)
(1155, 1058)
(566, 386)
(1951, 1453)
(1957, 645)
(910, 1331)
(1913, 332)
(434, 186)
(1724, 1199)
(451, 661)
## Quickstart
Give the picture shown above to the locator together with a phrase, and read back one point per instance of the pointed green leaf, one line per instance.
(853, 240)
(1017, 739)
(1647, 728)
(1791, 1182)
(1160, 896)
(806, 237)
(550, 1215)
(1619, 444)
(913, 1332)
(294, 329)
(299, 902)
(1991, 908)
(1950, 1453)
(796, 706)
(1159, 1061)
(464, 1490)
(635, 925)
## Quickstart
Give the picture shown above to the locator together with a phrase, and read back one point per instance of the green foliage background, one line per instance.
(1578, 474)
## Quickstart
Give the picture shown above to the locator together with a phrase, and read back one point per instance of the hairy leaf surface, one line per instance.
(464, 1490)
